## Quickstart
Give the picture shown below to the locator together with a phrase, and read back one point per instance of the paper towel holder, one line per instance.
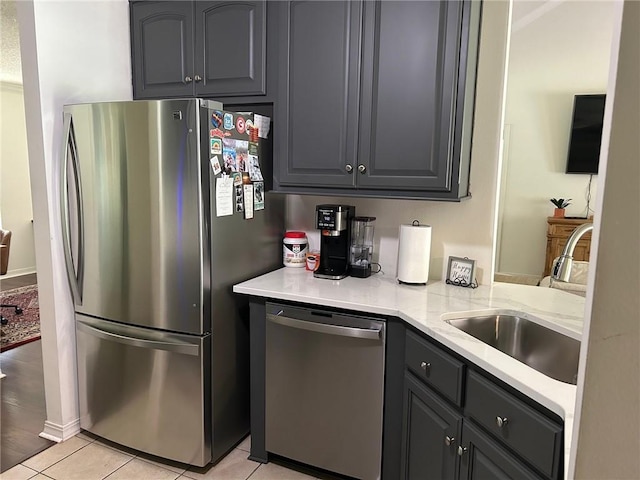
(414, 251)
(461, 271)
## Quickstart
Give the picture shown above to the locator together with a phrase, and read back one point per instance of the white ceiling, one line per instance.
(10, 69)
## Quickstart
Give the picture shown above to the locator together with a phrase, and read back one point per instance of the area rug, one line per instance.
(22, 328)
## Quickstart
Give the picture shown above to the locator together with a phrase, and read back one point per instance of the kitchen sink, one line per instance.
(547, 351)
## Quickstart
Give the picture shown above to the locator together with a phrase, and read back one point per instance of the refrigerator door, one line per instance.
(145, 389)
(132, 212)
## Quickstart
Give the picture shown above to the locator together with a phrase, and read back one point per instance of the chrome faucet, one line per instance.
(562, 267)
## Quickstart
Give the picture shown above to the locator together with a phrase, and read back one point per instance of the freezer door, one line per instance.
(132, 212)
(145, 389)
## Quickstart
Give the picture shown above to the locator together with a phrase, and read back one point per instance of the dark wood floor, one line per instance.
(23, 407)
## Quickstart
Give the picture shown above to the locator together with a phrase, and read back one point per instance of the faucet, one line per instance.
(562, 268)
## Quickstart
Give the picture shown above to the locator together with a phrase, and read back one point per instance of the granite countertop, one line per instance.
(427, 307)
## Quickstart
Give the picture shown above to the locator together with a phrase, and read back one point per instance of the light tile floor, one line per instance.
(85, 458)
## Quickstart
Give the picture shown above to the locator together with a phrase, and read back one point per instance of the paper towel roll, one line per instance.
(414, 252)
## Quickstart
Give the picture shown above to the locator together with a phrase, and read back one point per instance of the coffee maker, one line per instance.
(335, 239)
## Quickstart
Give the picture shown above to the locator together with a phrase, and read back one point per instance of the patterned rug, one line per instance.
(22, 328)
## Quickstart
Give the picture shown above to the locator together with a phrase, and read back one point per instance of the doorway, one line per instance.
(23, 409)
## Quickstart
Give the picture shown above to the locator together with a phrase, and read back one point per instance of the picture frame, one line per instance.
(461, 271)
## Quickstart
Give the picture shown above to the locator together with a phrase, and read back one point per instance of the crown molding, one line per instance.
(11, 86)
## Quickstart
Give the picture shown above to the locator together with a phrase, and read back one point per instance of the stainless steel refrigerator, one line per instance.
(162, 343)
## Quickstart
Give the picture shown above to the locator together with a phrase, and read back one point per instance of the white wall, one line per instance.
(460, 229)
(608, 424)
(15, 191)
(554, 55)
(72, 52)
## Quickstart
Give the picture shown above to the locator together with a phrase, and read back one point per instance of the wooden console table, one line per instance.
(558, 232)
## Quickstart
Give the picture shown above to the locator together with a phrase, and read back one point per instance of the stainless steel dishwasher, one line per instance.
(324, 389)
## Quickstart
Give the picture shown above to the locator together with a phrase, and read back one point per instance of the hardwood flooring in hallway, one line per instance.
(23, 410)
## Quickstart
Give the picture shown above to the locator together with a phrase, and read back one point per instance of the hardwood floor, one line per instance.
(23, 410)
(15, 282)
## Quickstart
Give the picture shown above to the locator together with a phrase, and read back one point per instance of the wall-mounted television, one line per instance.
(586, 134)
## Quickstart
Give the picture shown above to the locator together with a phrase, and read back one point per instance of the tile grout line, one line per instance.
(121, 466)
(55, 463)
(160, 465)
(254, 471)
(40, 473)
(36, 472)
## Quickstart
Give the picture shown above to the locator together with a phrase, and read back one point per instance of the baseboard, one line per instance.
(60, 433)
(18, 272)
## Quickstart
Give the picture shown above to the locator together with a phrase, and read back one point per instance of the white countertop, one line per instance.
(427, 307)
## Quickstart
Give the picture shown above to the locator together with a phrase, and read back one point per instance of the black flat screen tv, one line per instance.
(586, 134)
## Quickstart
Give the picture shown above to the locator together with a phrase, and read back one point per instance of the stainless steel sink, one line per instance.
(549, 352)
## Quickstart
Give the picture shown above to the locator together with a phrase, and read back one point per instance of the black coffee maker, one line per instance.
(334, 222)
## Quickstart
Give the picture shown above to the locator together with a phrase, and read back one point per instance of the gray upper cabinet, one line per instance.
(409, 89)
(204, 49)
(162, 49)
(231, 41)
(317, 108)
(384, 105)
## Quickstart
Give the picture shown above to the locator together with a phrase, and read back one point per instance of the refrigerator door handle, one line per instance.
(174, 346)
(76, 278)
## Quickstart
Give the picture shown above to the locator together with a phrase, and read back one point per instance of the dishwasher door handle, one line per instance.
(364, 333)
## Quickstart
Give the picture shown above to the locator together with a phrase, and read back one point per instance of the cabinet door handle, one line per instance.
(461, 450)
(349, 168)
(188, 79)
(425, 366)
(197, 78)
(362, 168)
(448, 441)
(501, 421)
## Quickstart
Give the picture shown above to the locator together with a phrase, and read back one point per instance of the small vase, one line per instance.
(558, 213)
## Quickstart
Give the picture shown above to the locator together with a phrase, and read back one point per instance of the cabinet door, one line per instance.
(481, 458)
(317, 108)
(582, 250)
(411, 58)
(523, 429)
(431, 430)
(230, 48)
(162, 49)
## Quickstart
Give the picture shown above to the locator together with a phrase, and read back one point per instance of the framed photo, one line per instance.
(461, 271)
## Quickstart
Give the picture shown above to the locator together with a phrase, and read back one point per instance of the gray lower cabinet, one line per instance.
(435, 367)
(198, 48)
(459, 423)
(481, 458)
(376, 98)
(431, 432)
(520, 427)
(444, 418)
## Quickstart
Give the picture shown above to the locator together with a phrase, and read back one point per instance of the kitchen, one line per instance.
(472, 227)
